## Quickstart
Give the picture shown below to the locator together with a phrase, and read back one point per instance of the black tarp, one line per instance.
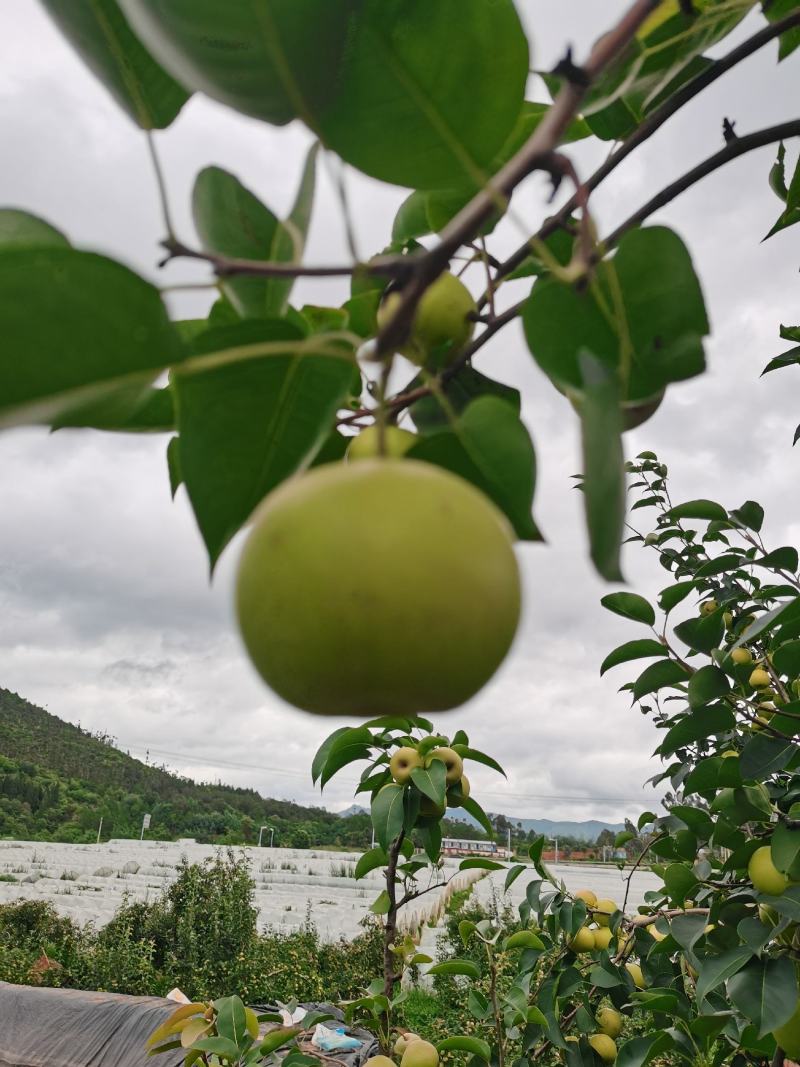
(42, 1027)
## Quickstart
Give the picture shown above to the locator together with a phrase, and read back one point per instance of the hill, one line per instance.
(57, 780)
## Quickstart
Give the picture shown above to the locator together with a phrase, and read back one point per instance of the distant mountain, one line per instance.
(581, 831)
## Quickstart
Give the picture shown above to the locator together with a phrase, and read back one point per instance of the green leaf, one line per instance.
(232, 222)
(524, 939)
(750, 514)
(456, 966)
(127, 409)
(658, 676)
(718, 969)
(465, 752)
(473, 808)
(370, 861)
(702, 633)
(351, 744)
(780, 559)
(276, 1039)
(699, 509)
(246, 424)
(489, 446)
(785, 849)
(672, 596)
(630, 606)
(707, 684)
(174, 465)
(654, 336)
(513, 874)
(639, 1051)
(480, 864)
(765, 992)
(764, 755)
(231, 1019)
(75, 327)
(623, 838)
(379, 81)
(643, 649)
(382, 904)
(387, 813)
(790, 40)
(715, 719)
(462, 1043)
(20, 229)
(459, 391)
(218, 1046)
(786, 659)
(100, 34)
(322, 753)
(603, 465)
(431, 780)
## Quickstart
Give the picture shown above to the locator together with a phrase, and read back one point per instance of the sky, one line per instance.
(107, 617)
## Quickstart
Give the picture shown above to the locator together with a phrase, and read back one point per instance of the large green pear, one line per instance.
(378, 587)
(764, 875)
(788, 1035)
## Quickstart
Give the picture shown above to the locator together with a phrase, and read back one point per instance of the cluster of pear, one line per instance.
(384, 586)
(412, 1051)
(407, 759)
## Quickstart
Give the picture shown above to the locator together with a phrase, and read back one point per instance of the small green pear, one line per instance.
(741, 656)
(443, 315)
(763, 873)
(454, 765)
(708, 607)
(609, 1021)
(604, 1046)
(367, 444)
(582, 941)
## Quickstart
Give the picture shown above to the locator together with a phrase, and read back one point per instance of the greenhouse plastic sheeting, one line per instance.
(71, 1028)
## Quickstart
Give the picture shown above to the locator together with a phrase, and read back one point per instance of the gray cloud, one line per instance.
(106, 614)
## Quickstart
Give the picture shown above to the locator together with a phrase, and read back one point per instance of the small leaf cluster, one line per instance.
(227, 1032)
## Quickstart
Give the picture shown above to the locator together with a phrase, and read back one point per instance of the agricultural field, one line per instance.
(88, 882)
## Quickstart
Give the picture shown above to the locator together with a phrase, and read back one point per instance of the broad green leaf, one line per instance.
(644, 319)
(174, 465)
(276, 1039)
(643, 649)
(639, 1051)
(100, 34)
(20, 229)
(431, 780)
(786, 612)
(480, 864)
(786, 659)
(351, 744)
(750, 514)
(376, 857)
(489, 446)
(718, 969)
(411, 219)
(231, 1019)
(379, 81)
(257, 417)
(698, 509)
(231, 221)
(765, 992)
(456, 966)
(524, 939)
(764, 755)
(630, 606)
(702, 633)
(219, 1046)
(467, 385)
(463, 1043)
(707, 684)
(75, 327)
(720, 565)
(717, 718)
(603, 464)
(513, 874)
(780, 559)
(322, 753)
(272, 61)
(175, 1022)
(790, 40)
(657, 676)
(387, 813)
(128, 409)
(785, 849)
(672, 596)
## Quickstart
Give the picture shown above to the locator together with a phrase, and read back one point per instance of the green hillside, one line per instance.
(57, 780)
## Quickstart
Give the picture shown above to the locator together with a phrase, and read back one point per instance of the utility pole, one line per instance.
(145, 826)
(508, 841)
(260, 832)
(271, 835)
(99, 828)
(555, 842)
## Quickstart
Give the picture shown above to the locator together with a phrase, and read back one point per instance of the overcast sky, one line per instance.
(106, 615)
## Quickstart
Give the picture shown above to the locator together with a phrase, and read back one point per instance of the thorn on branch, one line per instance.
(729, 131)
(568, 69)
